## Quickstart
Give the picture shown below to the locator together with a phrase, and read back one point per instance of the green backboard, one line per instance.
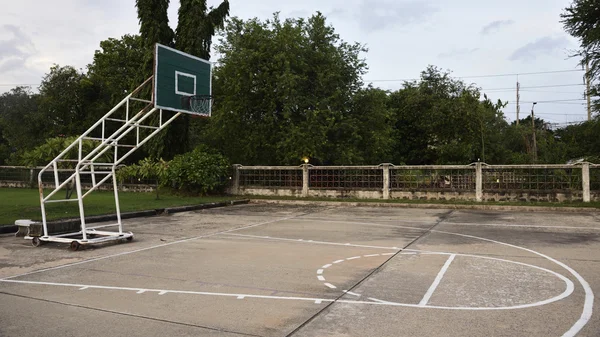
(182, 82)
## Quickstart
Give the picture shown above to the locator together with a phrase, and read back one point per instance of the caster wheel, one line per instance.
(36, 242)
(74, 245)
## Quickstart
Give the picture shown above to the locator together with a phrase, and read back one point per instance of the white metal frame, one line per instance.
(86, 164)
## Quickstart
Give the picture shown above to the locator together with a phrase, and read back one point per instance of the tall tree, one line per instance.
(284, 91)
(197, 25)
(582, 20)
(154, 22)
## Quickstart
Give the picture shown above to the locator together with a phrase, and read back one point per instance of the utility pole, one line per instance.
(518, 98)
(533, 130)
(587, 84)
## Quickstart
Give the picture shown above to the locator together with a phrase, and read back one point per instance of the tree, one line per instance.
(582, 20)
(195, 30)
(116, 67)
(64, 96)
(21, 123)
(197, 25)
(440, 120)
(283, 91)
(154, 23)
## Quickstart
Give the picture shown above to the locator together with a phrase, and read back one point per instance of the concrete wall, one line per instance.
(427, 193)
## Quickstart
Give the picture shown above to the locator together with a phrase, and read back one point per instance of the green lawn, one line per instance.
(25, 204)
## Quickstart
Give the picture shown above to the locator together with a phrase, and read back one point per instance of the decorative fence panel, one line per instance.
(548, 178)
(432, 178)
(270, 177)
(24, 177)
(345, 178)
(595, 179)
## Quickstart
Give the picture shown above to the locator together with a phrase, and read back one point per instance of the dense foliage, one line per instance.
(200, 171)
(285, 90)
(582, 20)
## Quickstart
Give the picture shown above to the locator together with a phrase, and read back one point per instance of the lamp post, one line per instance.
(533, 131)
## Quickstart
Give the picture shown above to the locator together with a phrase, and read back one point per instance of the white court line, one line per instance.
(320, 278)
(371, 255)
(304, 241)
(351, 293)
(144, 249)
(330, 285)
(369, 223)
(409, 305)
(437, 281)
(588, 304)
(523, 226)
(141, 291)
(380, 301)
(339, 261)
(326, 266)
(353, 258)
(319, 271)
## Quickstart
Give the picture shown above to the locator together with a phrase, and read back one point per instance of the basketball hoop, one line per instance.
(200, 104)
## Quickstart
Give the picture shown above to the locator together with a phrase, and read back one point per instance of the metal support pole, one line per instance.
(117, 207)
(80, 202)
(386, 181)
(588, 79)
(304, 180)
(585, 180)
(478, 182)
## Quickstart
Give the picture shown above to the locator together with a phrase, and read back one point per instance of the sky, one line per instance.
(472, 39)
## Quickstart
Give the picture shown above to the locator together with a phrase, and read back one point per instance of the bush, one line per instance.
(199, 171)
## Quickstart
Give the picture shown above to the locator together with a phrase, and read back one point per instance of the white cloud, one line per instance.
(374, 15)
(494, 26)
(541, 47)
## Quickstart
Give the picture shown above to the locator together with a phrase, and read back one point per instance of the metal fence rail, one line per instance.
(344, 178)
(25, 176)
(595, 178)
(548, 178)
(271, 177)
(432, 178)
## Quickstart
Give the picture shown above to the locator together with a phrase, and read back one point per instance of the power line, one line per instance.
(537, 87)
(17, 84)
(487, 76)
(553, 113)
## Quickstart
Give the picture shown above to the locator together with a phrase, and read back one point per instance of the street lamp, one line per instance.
(533, 131)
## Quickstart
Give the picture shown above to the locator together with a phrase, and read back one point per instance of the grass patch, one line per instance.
(594, 204)
(20, 203)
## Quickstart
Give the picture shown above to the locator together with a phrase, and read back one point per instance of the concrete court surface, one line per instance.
(290, 270)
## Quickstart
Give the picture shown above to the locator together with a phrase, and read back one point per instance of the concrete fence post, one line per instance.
(478, 182)
(235, 186)
(585, 181)
(304, 180)
(31, 173)
(386, 181)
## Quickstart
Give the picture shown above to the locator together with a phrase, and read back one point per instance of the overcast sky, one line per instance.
(467, 37)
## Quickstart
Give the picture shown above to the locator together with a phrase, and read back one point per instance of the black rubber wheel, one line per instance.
(74, 245)
(36, 242)
(130, 238)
